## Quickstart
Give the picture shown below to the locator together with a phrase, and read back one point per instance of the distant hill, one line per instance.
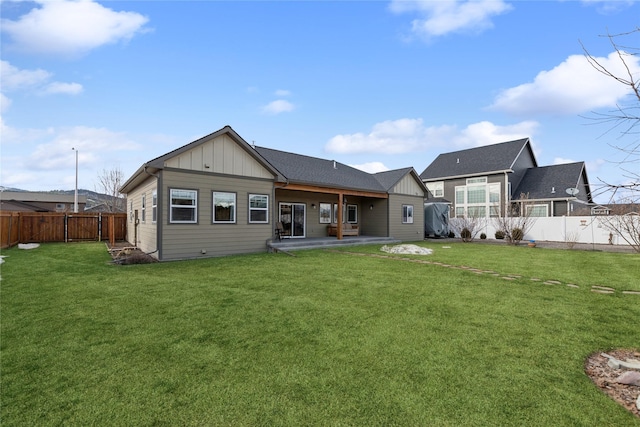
(93, 198)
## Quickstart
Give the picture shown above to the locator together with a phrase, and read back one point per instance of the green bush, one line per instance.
(452, 234)
(499, 234)
(483, 236)
(465, 234)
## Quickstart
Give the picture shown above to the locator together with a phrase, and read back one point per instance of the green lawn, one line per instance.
(322, 338)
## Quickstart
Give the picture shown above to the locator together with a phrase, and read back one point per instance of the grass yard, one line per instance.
(322, 338)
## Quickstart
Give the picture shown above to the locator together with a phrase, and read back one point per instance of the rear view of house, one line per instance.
(220, 196)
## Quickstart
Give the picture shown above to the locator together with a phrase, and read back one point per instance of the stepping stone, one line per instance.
(552, 282)
(571, 285)
(603, 288)
(631, 292)
(601, 291)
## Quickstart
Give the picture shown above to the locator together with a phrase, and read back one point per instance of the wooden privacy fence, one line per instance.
(41, 227)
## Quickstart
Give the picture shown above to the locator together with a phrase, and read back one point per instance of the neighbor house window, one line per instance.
(144, 207)
(325, 213)
(224, 207)
(258, 208)
(352, 213)
(130, 210)
(477, 199)
(436, 188)
(538, 210)
(154, 206)
(407, 214)
(184, 206)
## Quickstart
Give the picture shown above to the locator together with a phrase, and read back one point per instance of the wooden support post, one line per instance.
(339, 224)
(112, 230)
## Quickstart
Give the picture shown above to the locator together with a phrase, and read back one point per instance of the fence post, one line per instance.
(112, 230)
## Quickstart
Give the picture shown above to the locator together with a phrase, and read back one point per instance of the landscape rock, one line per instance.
(629, 378)
(406, 249)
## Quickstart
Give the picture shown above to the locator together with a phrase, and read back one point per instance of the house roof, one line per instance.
(300, 169)
(43, 197)
(486, 159)
(551, 182)
(156, 164)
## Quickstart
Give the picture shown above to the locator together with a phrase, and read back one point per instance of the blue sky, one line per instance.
(375, 84)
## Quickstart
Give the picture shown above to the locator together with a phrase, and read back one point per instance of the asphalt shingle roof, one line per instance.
(550, 182)
(302, 169)
(488, 158)
(390, 178)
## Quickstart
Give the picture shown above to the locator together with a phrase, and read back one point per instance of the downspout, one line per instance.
(507, 195)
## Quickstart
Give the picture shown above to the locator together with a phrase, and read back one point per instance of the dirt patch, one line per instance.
(604, 376)
(123, 253)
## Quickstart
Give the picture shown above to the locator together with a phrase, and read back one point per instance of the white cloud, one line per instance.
(64, 88)
(5, 103)
(449, 16)
(572, 87)
(410, 135)
(71, 27)
(282, 93)
(92, 145)
(562, 161)
(371, 167)
(278, 106)
(14, 78)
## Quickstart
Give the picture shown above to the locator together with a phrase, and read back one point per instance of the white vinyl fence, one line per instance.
(577, 229)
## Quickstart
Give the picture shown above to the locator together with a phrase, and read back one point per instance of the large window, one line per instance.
(258, 208)
(224, 207)
(477, 198)
(154, 206)
(184, 206)
(407, 214)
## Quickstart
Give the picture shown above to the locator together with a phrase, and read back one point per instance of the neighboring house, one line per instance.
(484, 181)
(31, 201)
(219, 196)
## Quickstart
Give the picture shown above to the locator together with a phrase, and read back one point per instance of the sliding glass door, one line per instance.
(292, 216)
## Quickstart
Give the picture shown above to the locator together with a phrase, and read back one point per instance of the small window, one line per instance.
(325, 213)
(144, 207)
(407, 214)
(184, 206)
(258, 208)
(131, 211)
(481, 180)
(436, 188)
(538, 210)
(154, 206)
(224, 207)
(352, 213)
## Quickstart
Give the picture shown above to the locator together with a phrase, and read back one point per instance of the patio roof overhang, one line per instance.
(340, 192)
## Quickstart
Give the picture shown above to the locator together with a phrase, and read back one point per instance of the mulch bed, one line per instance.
(604, 376)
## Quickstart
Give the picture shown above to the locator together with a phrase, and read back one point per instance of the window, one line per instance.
(144, 207)
(407, 214)
(154, 206)
(477, 198)
(325, 213)
(352, 213)
(258, 208)
(538, 210)
(184, 206)
(131, 211)
(436, 188)
(224, 207)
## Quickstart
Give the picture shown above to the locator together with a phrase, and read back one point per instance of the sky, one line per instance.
(377, 85)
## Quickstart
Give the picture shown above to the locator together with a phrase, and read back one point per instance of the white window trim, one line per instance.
(154, 206)
(213, 206)
(143, 208)
(408, 219)
(265, 209)
(489, 206)
(194, 206)
(545, 206)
